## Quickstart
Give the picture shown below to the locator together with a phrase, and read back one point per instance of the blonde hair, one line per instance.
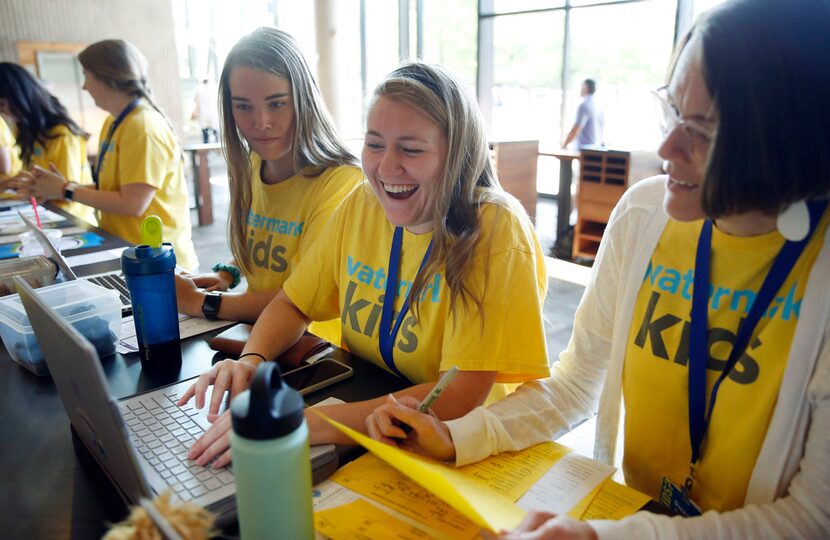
(122, 67)
(468, 178)
(315, 145)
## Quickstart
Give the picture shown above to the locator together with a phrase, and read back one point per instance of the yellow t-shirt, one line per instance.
(67, 152)
(144, 151)
(344, 274)
(7, 139)
(286, 219)
(655, 374)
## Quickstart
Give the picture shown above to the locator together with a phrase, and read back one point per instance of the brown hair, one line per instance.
(316, 144)
(122, 67)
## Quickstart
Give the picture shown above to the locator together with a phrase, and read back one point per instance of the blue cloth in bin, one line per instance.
(95, 329)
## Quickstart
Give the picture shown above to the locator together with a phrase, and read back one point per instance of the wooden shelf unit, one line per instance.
(603, 178)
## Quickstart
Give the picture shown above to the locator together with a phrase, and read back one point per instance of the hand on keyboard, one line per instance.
(215, 444)
(228, 375)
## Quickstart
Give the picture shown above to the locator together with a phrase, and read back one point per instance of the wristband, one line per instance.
(252, 354)
(232, 270)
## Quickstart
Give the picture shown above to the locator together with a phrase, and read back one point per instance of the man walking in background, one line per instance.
(587, 129)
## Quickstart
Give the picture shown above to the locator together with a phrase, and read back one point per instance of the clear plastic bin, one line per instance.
(38, 271)
(93, 310)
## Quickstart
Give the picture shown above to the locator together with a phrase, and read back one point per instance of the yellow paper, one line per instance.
(360, 520)
(615, 501)
(579, 510)
(513, 473)
(486, 508)
(377, 480)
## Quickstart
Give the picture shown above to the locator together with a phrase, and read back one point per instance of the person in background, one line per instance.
(590, 120)
(9, 154)
(204, 111)
(287, 169)
(425, 264)
(46, 136)
(139, 169)
(707, 315)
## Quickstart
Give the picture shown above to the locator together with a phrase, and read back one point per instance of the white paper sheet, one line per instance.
(565, 484)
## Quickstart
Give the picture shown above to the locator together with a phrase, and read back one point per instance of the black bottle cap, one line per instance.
(270, 409)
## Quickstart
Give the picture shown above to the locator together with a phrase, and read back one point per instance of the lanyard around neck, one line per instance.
(102, 148)
(699, 413)
(387, 332)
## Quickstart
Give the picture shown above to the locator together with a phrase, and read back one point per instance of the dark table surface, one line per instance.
(48, 489)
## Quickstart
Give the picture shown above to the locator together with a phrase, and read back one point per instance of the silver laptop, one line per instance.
(113, 279)
(140, 442)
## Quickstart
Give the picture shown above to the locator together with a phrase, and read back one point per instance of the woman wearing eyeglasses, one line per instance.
(708, 311)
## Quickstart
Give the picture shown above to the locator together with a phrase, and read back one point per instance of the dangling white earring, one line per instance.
(794, 222)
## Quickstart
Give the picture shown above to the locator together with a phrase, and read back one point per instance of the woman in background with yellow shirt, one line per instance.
(139, 169)
(46, 136)
(288, 170)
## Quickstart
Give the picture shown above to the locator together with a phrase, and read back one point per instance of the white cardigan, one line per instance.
(788, 495)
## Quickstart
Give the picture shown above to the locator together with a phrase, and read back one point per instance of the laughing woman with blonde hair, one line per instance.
(424, 264)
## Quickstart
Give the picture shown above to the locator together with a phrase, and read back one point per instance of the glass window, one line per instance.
(527, 72)
(626, 49)
(578, 3)
(382, 50)
(450, 36)
(349, 89)
(490, 7)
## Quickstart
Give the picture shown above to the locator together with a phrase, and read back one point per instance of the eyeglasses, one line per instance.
(698, 133)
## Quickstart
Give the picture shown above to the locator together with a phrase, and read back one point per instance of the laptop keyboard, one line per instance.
(115, 282)
(163, 433)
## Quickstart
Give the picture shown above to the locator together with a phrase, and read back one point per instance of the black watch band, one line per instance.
(210, 307)
(69, 191)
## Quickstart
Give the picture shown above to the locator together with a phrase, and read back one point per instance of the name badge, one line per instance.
(675, 499)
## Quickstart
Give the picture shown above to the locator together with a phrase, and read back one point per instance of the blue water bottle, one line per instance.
(271, 463)
(149, 269)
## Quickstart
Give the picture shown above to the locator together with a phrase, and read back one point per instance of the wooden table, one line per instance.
(48, 488)
(201, 185)
(563, 199)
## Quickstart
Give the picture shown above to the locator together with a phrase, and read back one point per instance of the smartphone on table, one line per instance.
(312, 377)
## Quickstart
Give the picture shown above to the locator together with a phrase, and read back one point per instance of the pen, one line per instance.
(445, 380)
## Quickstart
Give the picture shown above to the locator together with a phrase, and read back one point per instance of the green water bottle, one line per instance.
(271, 461)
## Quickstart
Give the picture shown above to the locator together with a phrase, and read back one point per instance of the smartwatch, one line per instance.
(69, 191)
(210, 307)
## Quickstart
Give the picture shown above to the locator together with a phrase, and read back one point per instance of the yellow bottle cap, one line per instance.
(151, 231)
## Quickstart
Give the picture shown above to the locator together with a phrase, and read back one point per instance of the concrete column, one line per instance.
(329, 61)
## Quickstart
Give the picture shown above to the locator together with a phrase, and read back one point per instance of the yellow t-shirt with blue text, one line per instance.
(67, 151)
(144, 150)
(655, 374)
(344, 275)
(8, 140)
(285, 219)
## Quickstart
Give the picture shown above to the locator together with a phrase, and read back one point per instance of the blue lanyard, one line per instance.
(699, 413)
(386, 334)
(102, 148)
